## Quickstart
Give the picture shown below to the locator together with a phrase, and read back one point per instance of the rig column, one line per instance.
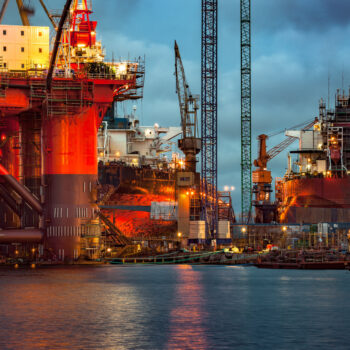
(70, 177)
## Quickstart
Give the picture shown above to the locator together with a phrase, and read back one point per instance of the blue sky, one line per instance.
(295, 45)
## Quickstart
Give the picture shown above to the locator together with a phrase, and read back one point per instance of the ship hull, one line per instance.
(134, 191)
(314, 200)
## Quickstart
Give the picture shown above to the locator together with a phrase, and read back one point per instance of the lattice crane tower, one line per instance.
(209, 115)
(246, 162)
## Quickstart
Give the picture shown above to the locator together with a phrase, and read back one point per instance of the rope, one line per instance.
(175, 261)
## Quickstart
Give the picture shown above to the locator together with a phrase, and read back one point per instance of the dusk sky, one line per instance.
(296, 44)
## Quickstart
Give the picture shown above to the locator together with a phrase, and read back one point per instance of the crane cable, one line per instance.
(291, 128)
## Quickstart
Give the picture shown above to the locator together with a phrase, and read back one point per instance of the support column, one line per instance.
(70, 177)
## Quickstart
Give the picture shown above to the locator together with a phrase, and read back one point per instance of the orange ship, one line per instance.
(316, 186)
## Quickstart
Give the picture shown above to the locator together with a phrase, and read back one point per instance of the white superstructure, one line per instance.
(123, 139)
(24, 47)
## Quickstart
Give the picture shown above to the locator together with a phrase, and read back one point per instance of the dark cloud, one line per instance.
(301, 15)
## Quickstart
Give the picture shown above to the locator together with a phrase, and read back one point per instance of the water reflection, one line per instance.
(173, 307)
(188, 314)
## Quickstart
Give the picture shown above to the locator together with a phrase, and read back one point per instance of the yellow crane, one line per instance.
(25, 11)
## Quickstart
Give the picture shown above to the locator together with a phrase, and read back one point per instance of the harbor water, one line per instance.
(173, 307)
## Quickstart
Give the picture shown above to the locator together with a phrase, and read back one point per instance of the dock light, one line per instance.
(284, 228)
(179, 234)
(192, 193)
(244, 229)
(33, 250)
(181, 162)
(109, 250)
(226, 188)
(187, 193)
(16, 252)
(233, 188)
(3, 137)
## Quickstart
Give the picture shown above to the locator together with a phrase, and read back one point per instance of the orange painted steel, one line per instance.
(70, 117)
(70, 144)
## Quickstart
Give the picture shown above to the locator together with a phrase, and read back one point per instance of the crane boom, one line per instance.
(273, 152)
(3, 9)
(190, 144)
(187, 102)
(23, 12)
(265, 156)
(57, 43)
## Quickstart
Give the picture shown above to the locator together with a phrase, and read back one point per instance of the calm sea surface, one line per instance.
(173, 307)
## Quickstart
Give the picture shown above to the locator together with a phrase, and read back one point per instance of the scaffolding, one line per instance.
(195, 207)
(69, 97)
(37, 91)
(136, 74)
(225, 209)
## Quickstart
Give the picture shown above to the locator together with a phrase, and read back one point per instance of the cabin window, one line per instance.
(4, 48)
(4, 64)
(40, 50)
(22, 49)
(22, 32)
(4, 32)
(22, 65)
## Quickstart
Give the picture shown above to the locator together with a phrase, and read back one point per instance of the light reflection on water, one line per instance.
(173, 307)
(187, 317)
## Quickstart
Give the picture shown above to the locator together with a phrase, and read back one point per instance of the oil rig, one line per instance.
(51, 106)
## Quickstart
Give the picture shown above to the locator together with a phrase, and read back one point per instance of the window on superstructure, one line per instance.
(4, 48)
(40, 33)
(5, 64)
(22, 49)
(22, 65)
(4, 32)
(40, 50)
(22, 32)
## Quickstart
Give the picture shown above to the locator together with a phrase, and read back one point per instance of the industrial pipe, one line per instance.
(21, 236)
(9, 200)
(21, 190)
